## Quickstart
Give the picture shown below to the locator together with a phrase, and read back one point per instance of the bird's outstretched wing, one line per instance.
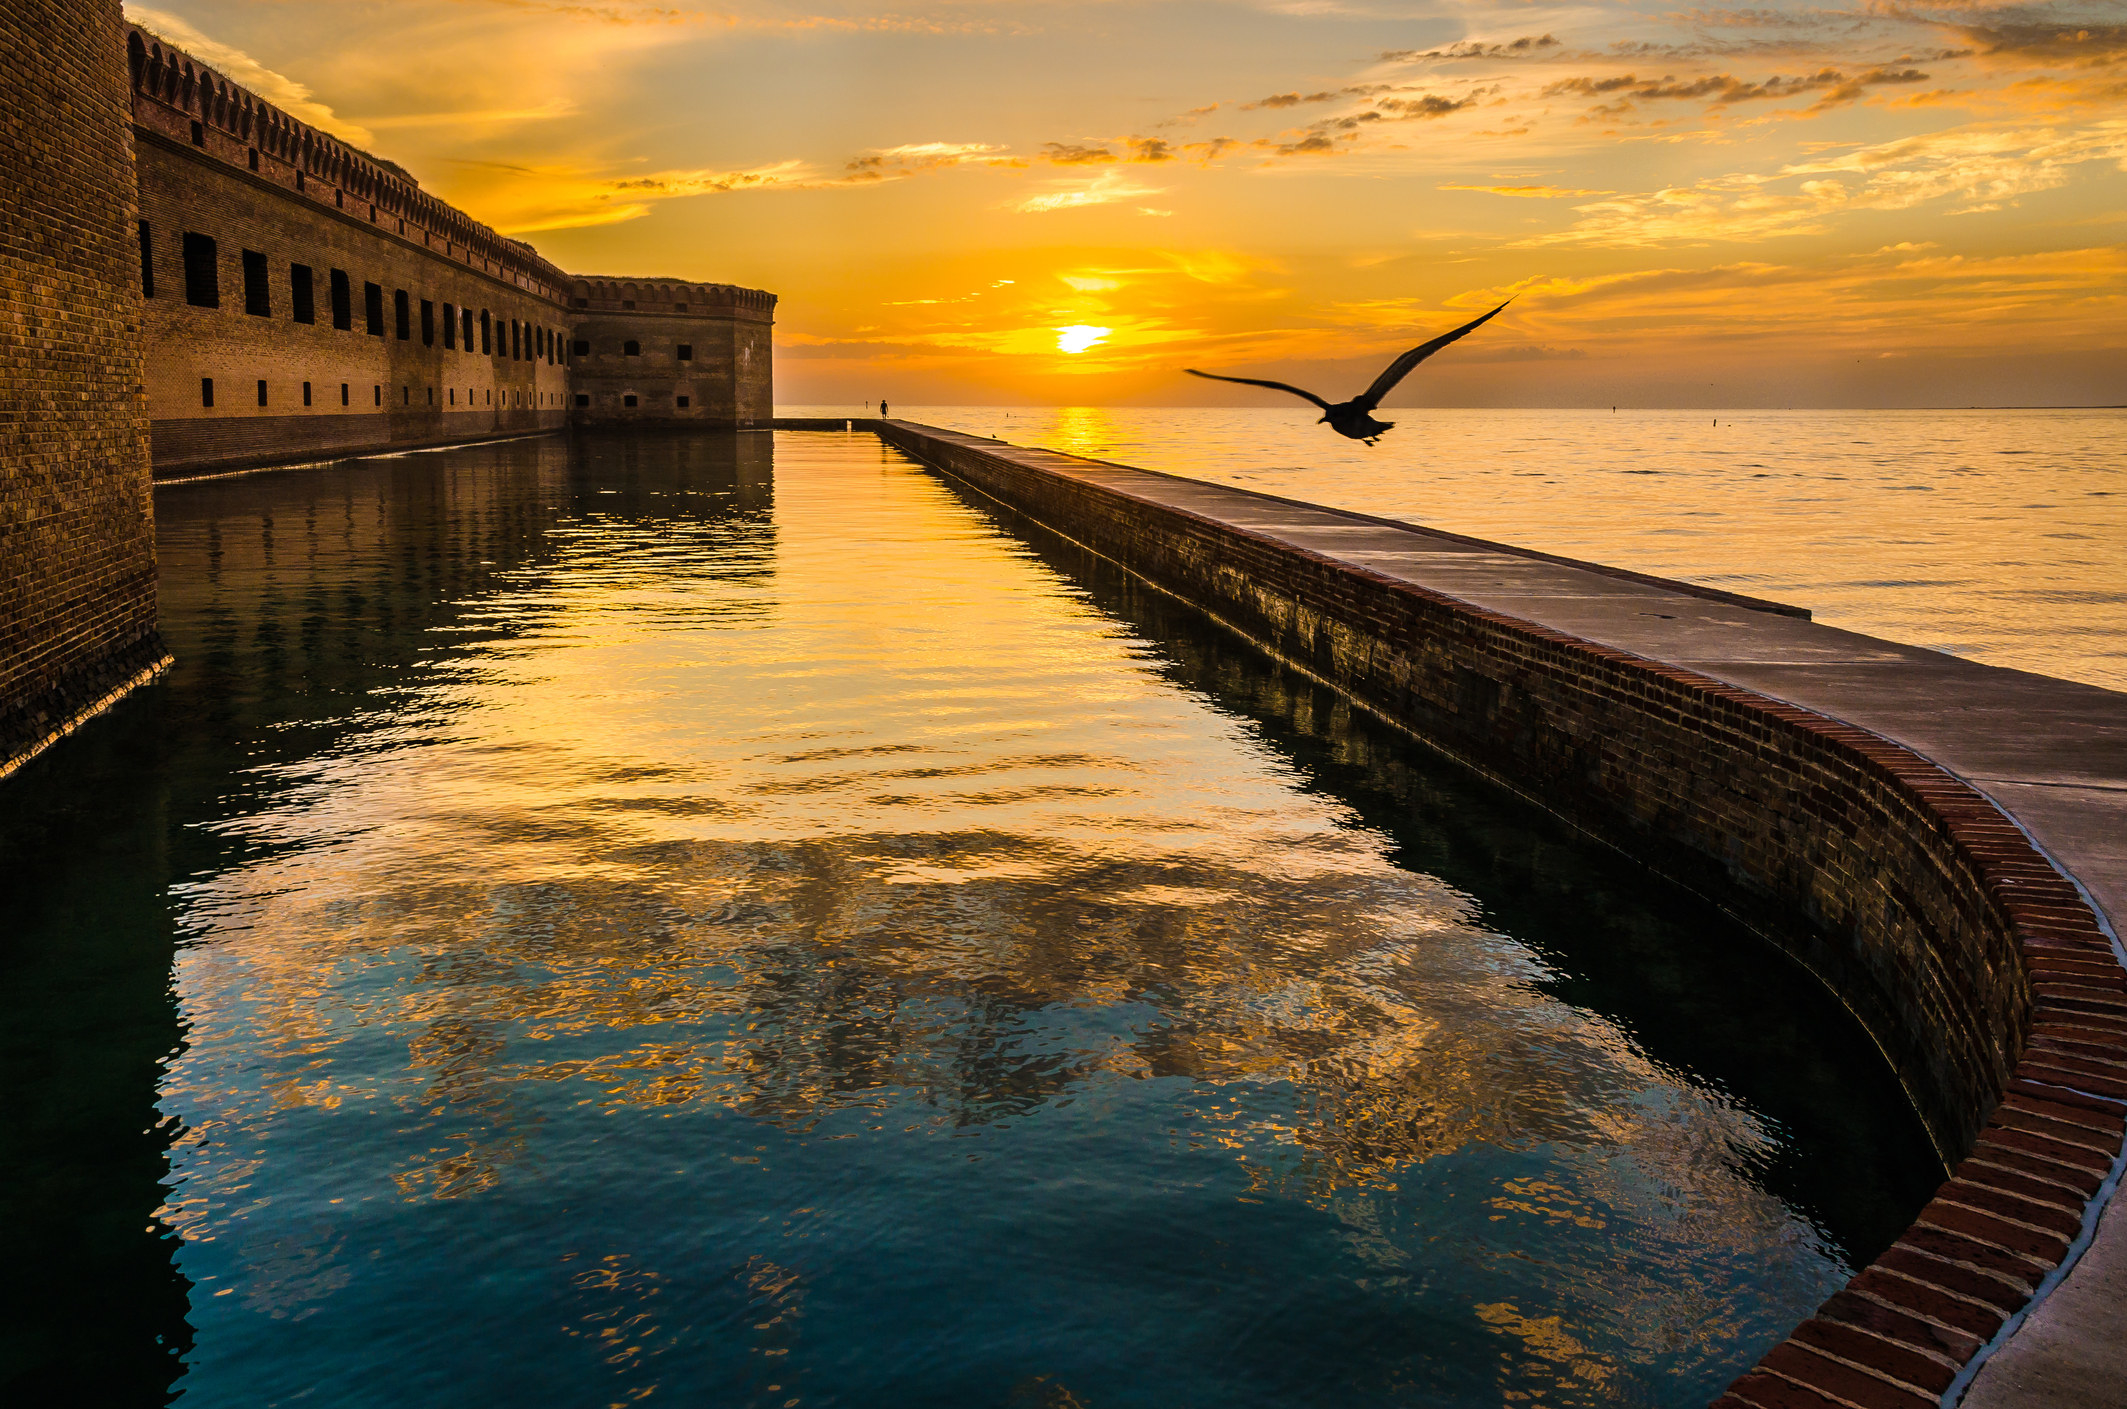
(1274, 386)
(1401, 367)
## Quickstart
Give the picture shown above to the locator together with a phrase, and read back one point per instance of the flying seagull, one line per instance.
(1355, 417)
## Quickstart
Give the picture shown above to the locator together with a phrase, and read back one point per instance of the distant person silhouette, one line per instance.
(882, 410)
(1354, 418)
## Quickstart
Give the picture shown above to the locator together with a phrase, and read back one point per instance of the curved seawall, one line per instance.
(1766, 763)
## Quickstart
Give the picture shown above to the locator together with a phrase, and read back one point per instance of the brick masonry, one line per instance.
(217, 161)
(702, 353)
(1975, 963)
(77, 531)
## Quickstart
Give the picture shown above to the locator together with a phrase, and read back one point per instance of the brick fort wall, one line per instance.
(77, 532)
(305, 299)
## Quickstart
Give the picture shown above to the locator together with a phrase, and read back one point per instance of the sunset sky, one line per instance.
(1882, 204)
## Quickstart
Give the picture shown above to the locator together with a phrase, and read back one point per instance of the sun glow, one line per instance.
(1737, 229)
(1080, 336)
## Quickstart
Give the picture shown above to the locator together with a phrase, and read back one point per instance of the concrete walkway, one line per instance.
(2051, 754)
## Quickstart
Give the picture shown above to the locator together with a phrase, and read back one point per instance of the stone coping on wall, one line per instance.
(2009, 785)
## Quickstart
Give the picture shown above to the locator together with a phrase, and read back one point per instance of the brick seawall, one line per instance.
(1981, 969)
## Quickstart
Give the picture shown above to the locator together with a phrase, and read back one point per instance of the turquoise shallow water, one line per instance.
(721, 919)
(1997, 535)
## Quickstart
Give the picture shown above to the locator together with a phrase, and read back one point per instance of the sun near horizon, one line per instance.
(1035, 203)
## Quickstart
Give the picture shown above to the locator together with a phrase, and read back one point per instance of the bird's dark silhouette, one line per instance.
(1355, 418)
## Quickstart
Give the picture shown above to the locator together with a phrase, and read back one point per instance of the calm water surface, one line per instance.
(1998, 535)
(723, 921)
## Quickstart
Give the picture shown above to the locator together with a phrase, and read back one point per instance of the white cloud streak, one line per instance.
(1981, 167)
(1109, 188)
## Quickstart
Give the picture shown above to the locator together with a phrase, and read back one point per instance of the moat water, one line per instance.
(722, 920)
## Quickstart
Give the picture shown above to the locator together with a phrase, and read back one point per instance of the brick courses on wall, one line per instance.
(281, 201)
(77, 532)
(1974, 963)
(215, 161)
(701, 353)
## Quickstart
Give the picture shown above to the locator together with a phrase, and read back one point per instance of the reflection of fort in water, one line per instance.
(1350, 979)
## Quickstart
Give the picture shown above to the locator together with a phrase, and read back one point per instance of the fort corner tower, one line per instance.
(665, 351)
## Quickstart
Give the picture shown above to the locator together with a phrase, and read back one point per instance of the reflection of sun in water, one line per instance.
(1080, 336)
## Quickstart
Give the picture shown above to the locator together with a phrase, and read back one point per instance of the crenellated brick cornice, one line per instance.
(185, 101)
(599, 293)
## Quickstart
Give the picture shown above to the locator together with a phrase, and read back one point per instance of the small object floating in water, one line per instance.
(1354, 418)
